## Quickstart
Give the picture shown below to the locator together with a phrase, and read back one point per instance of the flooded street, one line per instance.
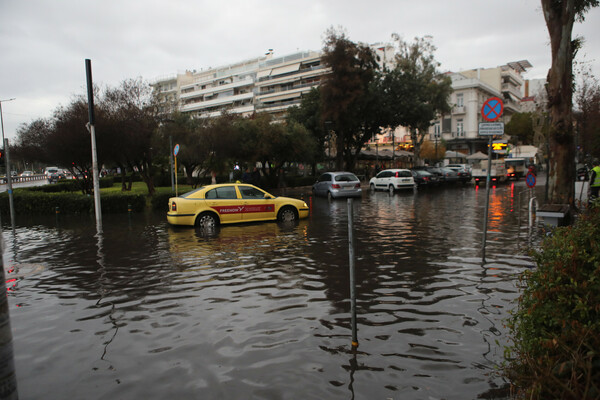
(262, 311)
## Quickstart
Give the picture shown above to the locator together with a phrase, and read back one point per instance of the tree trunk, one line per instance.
(560, 17)
(339, 154)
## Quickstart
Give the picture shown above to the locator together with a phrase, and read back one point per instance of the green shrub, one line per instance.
(37, 202)
(556, 327)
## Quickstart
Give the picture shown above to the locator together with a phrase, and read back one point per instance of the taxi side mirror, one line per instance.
(268, 196)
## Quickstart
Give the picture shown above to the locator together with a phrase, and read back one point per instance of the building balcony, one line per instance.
(247, 109)
(292, 76)
(458, 110)
(216, 102)
(216, 89)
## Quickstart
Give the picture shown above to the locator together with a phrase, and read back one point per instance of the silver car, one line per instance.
(337, 184)
(392, 179)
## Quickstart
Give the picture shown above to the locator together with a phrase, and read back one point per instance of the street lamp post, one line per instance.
(7, 165)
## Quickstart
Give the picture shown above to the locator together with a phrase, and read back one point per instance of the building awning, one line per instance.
(286, 96)
(263, 73)
(285, 69)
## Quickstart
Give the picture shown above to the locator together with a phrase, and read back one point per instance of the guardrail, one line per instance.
(19, 178)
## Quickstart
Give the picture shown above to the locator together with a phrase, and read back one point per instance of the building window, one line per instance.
(437, 129)
(460, 132)
(459, 100)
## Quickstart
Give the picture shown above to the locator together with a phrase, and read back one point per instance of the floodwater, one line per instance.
(148, 311)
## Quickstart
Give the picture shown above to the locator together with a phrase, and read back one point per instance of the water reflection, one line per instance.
(142, 309)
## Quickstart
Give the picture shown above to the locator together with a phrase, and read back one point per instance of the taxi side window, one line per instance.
(251, 193)
(227, 192)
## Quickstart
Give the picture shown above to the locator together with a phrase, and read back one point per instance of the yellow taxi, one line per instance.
(229, 203)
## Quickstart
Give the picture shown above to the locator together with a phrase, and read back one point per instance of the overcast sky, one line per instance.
(44, 43)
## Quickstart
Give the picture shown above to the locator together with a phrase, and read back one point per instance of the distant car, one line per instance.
(337, 184)
(450, 175)
(211, 205)
(424, 178)
(463, 170)
(392, 179)
(27, 173)
(433, 170)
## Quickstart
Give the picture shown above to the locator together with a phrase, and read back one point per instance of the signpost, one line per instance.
(491, 110)
(175, 152)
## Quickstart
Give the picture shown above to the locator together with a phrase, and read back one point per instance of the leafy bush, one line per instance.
(556, 327)
(36, 202)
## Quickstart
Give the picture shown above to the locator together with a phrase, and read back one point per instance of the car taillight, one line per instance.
(173, 206)
(335, 186)
(357, 186)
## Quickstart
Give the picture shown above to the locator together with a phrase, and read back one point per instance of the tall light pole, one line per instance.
(1, 119)
(7, 165)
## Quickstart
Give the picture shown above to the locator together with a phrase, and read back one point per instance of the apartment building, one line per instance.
(263, 84)
(460, 128)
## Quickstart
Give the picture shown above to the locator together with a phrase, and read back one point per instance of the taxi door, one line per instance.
(256, 206)
(226, 202)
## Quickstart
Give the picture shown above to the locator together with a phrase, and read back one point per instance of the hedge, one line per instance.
(556, 327)
(36, 202)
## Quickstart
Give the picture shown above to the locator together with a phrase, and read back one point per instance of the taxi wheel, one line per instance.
(207, 220)
(287, 214)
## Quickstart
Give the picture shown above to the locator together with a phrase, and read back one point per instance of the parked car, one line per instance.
(392, 179)
(211, 205)
(463, 170)
(337, 184)
(434, 171)
(424, 178)
(450, 175)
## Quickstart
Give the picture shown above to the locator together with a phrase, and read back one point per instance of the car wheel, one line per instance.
(372, 187)
(207, 221)
(287, 214)
(329, 196)
(391, 189)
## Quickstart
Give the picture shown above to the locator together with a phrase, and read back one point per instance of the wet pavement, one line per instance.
(262, 311)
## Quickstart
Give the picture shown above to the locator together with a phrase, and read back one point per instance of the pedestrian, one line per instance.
(595, 180)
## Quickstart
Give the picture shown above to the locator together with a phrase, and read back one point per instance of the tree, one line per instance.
(132, 113)
(520, 128)
(345, 94)
(588, 117)
(560, 15)
(308, 114)
(415, 91)
(432, 151)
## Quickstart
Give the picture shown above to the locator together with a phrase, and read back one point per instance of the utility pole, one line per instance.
(90, 125)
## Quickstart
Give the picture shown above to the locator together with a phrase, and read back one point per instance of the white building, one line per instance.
(460, 129)
(264, 84)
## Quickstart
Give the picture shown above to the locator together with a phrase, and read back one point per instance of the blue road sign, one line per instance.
(530, 180)
(492, 109)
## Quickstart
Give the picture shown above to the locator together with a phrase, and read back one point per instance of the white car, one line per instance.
(392, 179)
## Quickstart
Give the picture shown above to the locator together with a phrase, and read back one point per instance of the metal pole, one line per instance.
(352, 275)
(9, 183)
(487, 198)
(8, 378)
(171, 163)
(92, 129)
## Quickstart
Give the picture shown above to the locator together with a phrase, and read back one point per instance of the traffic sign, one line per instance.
(176, 150)
(530, 180)
(492, 109)
(491, 128)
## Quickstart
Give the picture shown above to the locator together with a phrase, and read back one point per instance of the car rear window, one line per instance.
(346, 178)
(403, 174)
(189, 194)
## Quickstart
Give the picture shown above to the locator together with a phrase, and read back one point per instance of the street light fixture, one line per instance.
(1, 119)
